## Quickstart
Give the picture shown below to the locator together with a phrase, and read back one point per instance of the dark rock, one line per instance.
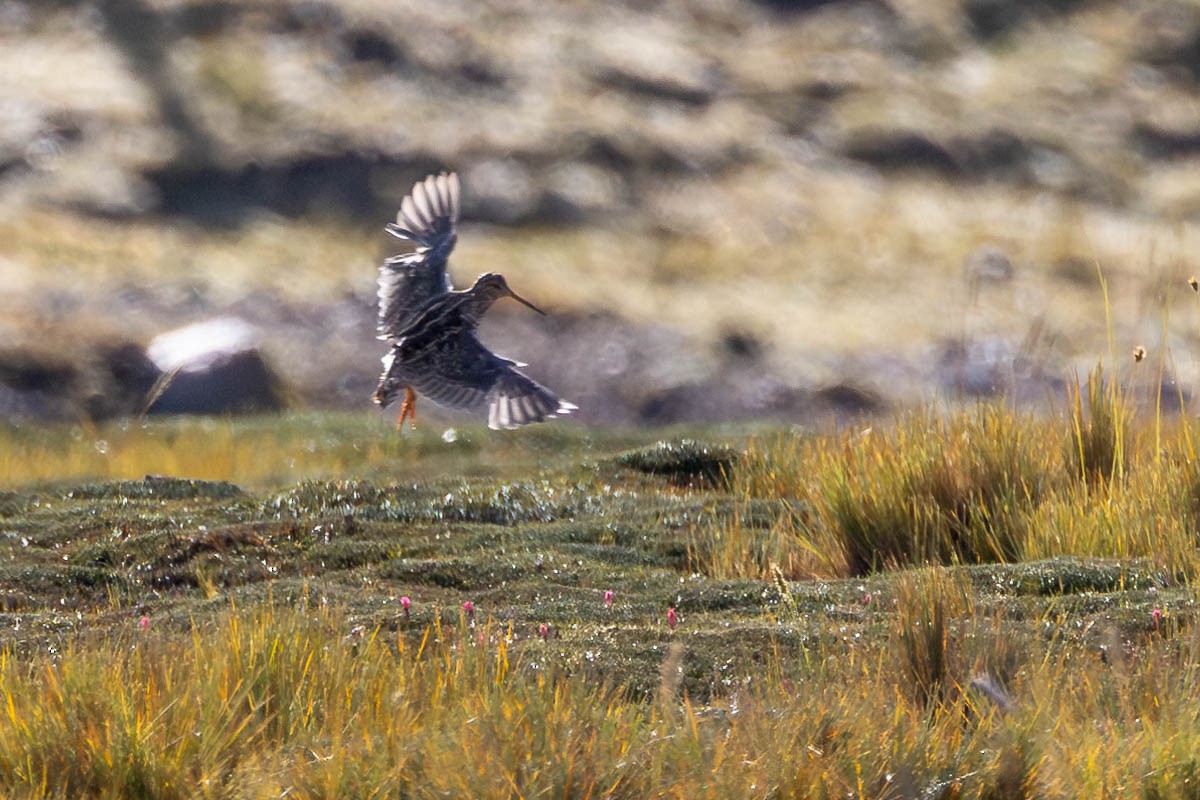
(242, 383)
(339, 184)
(847, 400)
(1156, 142)
(740, 345)
(126, 375)
(214, 367)
(95, 380)
(202, 19)
(996, 367)
(25, 370)
(794, 6)
(994, 154)
(1179, 57)
(746, 394)
(40, 386)
(648, 63)
(368, 45)
(978, 368)
(897, 149)
(993, 19)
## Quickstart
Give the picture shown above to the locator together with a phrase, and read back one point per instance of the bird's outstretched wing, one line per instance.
(457, 371)
(428, 217)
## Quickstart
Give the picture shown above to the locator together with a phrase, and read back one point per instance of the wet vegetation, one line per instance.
(947, 605)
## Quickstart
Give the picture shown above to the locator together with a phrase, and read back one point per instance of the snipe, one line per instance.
(432, 328)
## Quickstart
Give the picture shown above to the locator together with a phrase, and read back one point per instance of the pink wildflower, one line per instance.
(544, 631)
(608, 598)
(144, 623)
(1156, 617)
(405, 602)
(672, 619)
(469, 610)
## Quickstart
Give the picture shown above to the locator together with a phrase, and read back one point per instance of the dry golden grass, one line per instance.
(968, 487)
(870, 687)
(263, 451)
(299, 700)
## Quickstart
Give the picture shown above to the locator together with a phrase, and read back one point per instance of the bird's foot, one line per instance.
(408, 410)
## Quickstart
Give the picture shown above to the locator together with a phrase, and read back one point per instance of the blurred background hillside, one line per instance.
(731, 209)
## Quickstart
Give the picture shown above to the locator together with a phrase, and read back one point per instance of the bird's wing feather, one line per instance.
(428, 217)
(457, 371)
(517, 400)
(407, 284)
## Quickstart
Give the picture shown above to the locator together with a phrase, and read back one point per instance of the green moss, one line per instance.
(348, 554)
(457, 573)
(157, 487)
(1066, 576)
(13, 503)
(685, 462)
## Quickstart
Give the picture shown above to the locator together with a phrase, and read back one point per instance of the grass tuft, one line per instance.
(1098, 448)
(925, 602)
(929, 490)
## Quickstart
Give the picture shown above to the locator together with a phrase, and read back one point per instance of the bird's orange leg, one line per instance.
(408, 410)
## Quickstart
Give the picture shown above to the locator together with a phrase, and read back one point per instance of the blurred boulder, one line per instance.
(649, 61)
(576, 192)
(124, 375)
(978, 368)
(36, 386)
(91, 380)
(891, 149)
(502, 190)
(214, 367)
(993, 19)
(996, 367)
(1161, 142)
(995, 154)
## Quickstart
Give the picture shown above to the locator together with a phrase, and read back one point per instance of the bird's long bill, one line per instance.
(522, 300)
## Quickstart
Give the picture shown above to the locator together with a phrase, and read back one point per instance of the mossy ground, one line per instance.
(533, 530)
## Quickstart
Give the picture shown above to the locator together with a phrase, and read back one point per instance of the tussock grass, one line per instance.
(928, 490)
(926, 600)
(970, 487)
(1098, 448)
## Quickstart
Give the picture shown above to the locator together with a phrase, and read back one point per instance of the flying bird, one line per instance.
(431, 328)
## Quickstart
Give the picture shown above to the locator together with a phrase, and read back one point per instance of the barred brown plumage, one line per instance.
(431, 328)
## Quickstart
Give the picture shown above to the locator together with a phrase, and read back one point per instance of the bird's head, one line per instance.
(492, 286)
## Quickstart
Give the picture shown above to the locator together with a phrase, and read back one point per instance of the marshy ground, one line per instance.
(975, 605)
